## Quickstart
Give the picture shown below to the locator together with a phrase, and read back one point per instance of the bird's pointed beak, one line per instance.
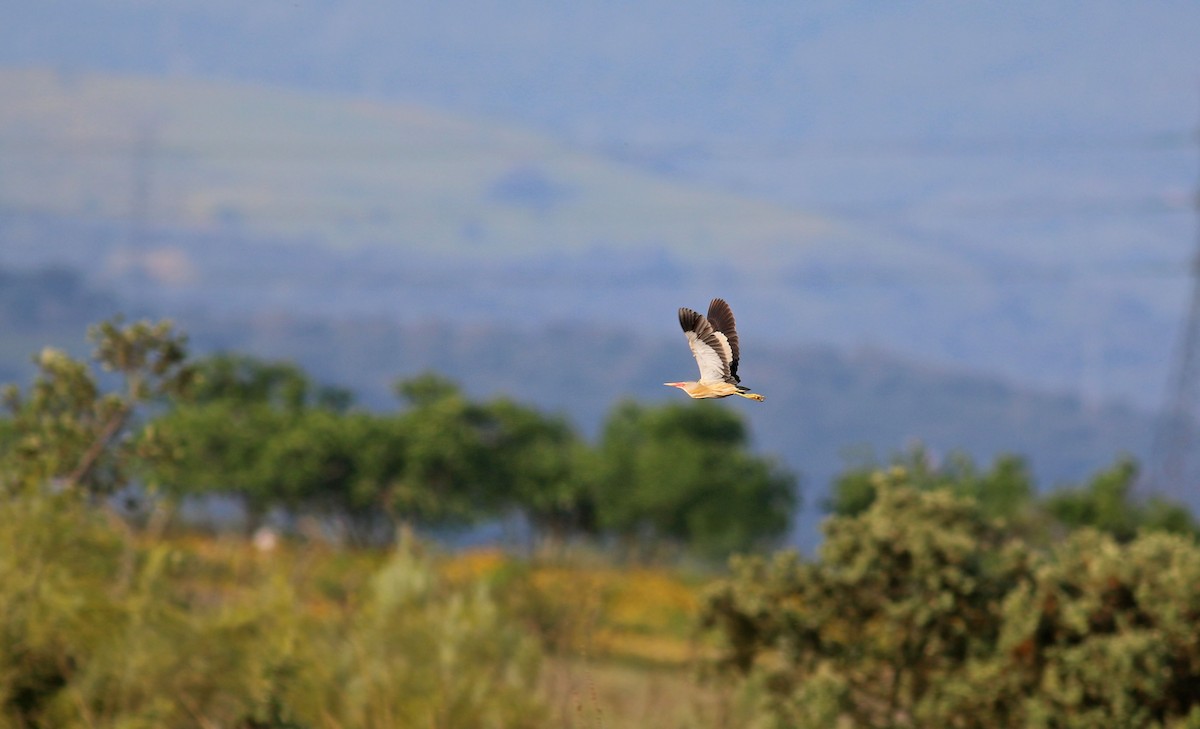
(672, 384)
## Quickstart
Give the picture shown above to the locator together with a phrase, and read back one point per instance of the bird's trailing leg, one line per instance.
(751, 396)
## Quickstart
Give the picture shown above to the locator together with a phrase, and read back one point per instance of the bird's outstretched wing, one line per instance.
(720, 316)
(710, 347)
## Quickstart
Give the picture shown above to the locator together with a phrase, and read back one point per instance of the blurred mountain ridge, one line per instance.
(347, 173)
(229, 195)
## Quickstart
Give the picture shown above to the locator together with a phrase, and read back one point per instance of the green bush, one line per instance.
(1106, 501)
(97, 631)
(1105, 634)
(58, 564)
(683, 474)
(922, 612)
(420, 654)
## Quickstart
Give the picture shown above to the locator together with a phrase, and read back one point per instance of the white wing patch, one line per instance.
(727, 351)
(712, 365)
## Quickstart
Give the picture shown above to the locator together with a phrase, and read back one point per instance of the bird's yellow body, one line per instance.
(709, 390)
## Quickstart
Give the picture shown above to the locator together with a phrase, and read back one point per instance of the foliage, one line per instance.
(928, 605)
(448, 471)
(1006, 490)
(94, 634)
(265, 433)
(66, 430)
(97, 630)
(228, 377)
(223, 454)
(255, 431)
(543, 465)
(923, 611)
(1003, 490)
(902, 601)
(1104, 634)
(639, 615)
(422, 655)
(679, 474)
(57, 564)
(683, 473)
(1107, 503)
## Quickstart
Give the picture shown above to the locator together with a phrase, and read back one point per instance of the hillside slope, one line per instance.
(347, 173)
(227, 196)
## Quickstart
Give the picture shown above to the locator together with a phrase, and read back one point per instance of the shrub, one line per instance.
(904, 601)
(421, 654)
(1104, 634)
(920, 612)
(96, 630)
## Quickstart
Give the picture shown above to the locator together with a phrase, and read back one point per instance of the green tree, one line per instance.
(247, 380)
(539, 464)
(336, 466)
(1107, 503)
(256, 431)
(222, 447)
(262, 431)
(922, 611)
(902, 604)
(447, 464)
(1004, 490)
(684, 473)
(468, 459)
(66, 430)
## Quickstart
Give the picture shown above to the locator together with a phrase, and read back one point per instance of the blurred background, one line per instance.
(965, 225)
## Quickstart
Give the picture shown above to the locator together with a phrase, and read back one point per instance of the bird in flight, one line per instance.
(714, 343)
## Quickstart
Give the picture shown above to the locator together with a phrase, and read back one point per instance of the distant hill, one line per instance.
(232, 197)
(49, 307)
(345, 173)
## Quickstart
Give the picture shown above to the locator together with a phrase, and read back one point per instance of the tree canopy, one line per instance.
(265, 433)
(66, 430)
(1006, 490)
(684, 472)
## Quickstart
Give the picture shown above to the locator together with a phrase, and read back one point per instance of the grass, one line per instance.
(585, 693)
(623, 646)
(619, 643)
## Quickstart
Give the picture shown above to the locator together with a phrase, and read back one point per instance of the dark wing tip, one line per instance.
(689, 319)
(721, 317)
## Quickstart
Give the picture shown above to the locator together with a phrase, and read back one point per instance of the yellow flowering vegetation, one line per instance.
(637, 614)
(102, 628)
